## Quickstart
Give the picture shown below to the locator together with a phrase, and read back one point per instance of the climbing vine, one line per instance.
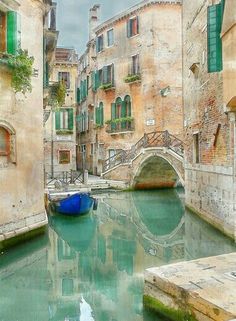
(57, 94)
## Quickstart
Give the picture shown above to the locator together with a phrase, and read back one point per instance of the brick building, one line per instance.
(208, 119)
(130, 80)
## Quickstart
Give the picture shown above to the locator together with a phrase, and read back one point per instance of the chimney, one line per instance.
(53, 16)
(94, 17)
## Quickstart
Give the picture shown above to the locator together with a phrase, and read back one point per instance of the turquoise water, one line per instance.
(91, 268)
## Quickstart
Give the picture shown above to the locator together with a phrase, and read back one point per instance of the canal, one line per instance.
(91, 268)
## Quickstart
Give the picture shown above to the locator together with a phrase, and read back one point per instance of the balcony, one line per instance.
(120, 126)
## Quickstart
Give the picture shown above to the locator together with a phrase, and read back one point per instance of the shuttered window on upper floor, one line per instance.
(214, 42)
(99, 43)
(133, 27)
(10, 32)
(64, 119)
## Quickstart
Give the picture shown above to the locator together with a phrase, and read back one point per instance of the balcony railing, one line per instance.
(117, 126)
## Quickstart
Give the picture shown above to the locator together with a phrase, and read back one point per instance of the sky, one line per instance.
(72, 19)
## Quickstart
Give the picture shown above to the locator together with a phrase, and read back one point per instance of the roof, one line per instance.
(67, 55)
(132, 10)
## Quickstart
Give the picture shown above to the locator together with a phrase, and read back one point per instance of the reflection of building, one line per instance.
(209, 112)
(130, 80)
(63, 268)
(60, 131)
(24, 282)
(21, 127)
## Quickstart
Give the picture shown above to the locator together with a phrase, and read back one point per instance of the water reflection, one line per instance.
(92, 268)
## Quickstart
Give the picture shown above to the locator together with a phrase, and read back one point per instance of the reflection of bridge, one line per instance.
(156, 160)
(152, 243)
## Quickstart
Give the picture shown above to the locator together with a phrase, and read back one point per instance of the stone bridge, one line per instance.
(155, 161)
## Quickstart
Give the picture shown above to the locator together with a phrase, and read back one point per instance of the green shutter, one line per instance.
(112, 75)
(70, 119)
(78, 95)
(97, 116)
(12, 34)
(113, 115)
(214, 43)
(97, 45)
(97, 81)
(101, 114)
(123, 114)
(137, 18)
(57, 118)
(86, 87)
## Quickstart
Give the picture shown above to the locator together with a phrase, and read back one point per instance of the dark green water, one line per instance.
(91, 268)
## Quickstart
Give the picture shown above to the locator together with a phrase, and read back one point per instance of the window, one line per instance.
(65, 78)
(135, 65)
(132, 27)
(99, 115)
(4, 142)
(214, 42)
(64, 157)
(10, 32)
(64, 119)
(67, 287)
(99, 43)
(121, 110)
(108, 74)
(196, 148)
(92, 149)
(110, 38)
(83, 89)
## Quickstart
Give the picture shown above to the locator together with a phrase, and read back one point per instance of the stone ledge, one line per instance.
(202, 289)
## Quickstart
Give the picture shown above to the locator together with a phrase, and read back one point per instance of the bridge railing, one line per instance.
(153, 139)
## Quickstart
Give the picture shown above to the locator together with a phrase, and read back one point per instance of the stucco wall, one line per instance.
(21, 183)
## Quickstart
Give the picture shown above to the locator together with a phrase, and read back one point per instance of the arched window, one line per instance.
(4, 142)
(127, 101)
(118, 113)
(7, 143)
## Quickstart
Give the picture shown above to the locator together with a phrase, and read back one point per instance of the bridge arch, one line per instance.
(156, 170)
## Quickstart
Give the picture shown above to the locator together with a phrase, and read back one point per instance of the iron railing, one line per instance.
(123, 126)
(153, 139)
(66, 178)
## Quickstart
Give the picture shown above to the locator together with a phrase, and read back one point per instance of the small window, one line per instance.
(2, 31)
(4, 142)
(64, 119)
(196, 148)
(108, 74)
(64, 156)
(67, 287)
(135, 65)
(99, 43)
(65, 78)
(132, 27)
(110, 38)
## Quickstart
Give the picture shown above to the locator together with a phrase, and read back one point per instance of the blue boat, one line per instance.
(74, 205)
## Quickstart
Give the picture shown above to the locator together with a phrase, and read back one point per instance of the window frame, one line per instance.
(112, 44)
(130, 21)
(7, 150)
(61, 162)
(100, 43)
(65, 81)
(135, 65)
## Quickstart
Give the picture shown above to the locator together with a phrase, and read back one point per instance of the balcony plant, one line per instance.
(57, 94)
(132, 78)
(106, 86)
(119, 120)
(21, 66)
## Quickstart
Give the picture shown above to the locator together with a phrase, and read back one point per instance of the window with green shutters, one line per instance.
(64, 119)
(99, 43)
(10, 32)
(78, 95)
(214, 42)
(99, 113)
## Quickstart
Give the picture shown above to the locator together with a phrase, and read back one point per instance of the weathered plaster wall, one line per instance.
(159, 46)
(62, 141)
(21, 183)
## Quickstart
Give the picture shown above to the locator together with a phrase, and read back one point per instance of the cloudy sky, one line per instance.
(72, 19)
